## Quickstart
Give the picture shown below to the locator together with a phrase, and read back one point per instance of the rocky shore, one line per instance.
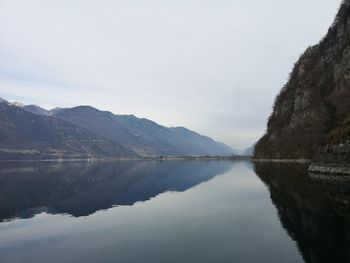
(329, 168)
(334, 158)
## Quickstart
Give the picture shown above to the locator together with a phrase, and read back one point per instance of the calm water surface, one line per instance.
(174, 211)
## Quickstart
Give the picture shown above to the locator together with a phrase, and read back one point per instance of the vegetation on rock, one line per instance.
(313, 107)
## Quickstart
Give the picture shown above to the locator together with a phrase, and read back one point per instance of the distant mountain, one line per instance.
(24, 135)
(55, 110)
(35, 109)
(249, 151)
(203, 143)
(18, 104)
(143, 136)
(129, 134)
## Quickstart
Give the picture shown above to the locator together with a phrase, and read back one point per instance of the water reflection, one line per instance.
(314, 210)
(229, 218)
(80, 189)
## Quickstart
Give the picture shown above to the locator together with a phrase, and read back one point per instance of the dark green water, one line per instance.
(172, 211)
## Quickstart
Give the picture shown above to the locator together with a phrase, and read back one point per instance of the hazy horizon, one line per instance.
(214, 67)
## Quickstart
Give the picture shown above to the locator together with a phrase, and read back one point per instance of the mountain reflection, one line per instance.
(80, 189)
(315, 210)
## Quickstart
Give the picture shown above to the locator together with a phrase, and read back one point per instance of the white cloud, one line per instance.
(213, 66)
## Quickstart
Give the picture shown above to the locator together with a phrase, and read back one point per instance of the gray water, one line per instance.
(171, 211)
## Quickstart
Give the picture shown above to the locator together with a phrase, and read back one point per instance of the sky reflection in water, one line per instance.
(178, 211)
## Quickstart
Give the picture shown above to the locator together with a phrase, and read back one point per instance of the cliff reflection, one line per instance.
(81, 189)
(314, 210)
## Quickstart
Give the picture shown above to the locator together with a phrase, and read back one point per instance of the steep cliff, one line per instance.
(312, 112)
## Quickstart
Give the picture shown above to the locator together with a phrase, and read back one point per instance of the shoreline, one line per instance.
(330, 169)
(314, 168)
(282, 160)
(169, 158)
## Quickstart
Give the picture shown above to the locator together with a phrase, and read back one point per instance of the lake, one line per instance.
(172, 211)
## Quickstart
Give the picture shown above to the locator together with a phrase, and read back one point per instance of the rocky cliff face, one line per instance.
(312, 112)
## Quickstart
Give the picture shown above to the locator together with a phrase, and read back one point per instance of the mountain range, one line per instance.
(32, 132)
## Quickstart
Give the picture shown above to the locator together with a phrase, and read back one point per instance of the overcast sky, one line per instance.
(212, 66)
